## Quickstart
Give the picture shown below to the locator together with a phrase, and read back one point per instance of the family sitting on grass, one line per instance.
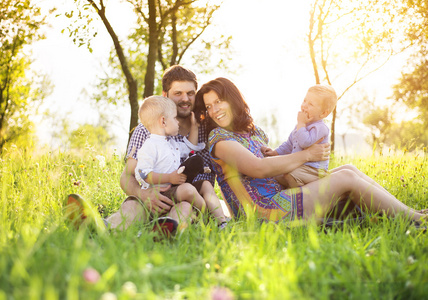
(290, 184)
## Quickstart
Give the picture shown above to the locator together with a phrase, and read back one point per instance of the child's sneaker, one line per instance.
(74, 210)
(166, 226)
(80, 212)
(222, 225)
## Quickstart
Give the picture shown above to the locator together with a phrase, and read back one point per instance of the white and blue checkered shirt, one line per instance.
(141, 133)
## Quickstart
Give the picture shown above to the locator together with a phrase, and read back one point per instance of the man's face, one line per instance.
(183, 94)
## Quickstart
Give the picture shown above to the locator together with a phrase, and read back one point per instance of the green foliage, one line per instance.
(110, 86)
(41, 257)
(412, 88)
(19, 89)
(349, 40)
(165, 31)
(95, 137)
(411, 135)
(184, 44)
(379, 120)
(408, 134)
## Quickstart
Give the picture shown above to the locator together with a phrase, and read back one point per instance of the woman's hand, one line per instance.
(318, 151)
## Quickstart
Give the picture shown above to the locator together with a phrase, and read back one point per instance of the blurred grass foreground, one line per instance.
(42, 257)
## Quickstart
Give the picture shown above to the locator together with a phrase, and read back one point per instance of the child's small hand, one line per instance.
(266, 151)
(177, 178)
(193, 121)
(303, 119)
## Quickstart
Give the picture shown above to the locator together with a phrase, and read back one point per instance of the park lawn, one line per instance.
(41, 257)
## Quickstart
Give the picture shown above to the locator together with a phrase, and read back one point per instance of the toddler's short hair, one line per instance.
(153, 108)
(327, 94)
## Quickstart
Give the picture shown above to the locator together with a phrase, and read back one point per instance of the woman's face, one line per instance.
(219, 110)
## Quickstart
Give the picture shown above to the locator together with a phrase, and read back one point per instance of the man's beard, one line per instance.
(187, 112)
(183, 114)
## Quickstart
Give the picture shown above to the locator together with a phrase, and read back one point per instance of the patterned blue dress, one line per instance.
(264, 196)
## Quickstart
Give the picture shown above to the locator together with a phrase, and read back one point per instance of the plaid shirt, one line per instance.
(141, 133)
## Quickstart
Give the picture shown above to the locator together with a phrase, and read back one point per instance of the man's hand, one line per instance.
(155, 201)
(266, 151)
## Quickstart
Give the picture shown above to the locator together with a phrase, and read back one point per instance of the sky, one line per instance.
(269, 45)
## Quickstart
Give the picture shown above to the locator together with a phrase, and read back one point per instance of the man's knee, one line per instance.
(132, 205)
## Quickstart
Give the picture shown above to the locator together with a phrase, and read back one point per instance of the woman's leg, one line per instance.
(322, 195)
(187, 192)
(212, 201)
(359, 173)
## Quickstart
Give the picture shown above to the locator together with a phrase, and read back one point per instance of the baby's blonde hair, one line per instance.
(153, 108)
(327, 94)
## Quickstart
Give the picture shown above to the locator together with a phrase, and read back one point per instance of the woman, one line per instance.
(245, 176)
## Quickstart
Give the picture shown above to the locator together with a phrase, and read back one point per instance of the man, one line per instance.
(180, 85)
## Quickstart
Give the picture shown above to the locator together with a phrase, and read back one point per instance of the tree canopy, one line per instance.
(349, 40)
(20, 23)
(165, 31)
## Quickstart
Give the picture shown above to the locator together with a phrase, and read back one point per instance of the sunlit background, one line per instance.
(270, 64)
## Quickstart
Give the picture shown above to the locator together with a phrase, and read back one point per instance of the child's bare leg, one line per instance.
(212, 201)
(187, 192)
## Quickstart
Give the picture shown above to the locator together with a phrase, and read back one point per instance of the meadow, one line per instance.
(42, 257)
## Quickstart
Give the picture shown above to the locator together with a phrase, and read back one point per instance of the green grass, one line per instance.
(41, 257)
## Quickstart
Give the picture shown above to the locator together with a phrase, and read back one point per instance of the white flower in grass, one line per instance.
(411, 260)
(129, 288)
(108, 296)
(101, 160)
(312, 265)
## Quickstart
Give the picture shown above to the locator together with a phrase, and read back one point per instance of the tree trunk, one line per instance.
(174, 39)
(149, 79)
(131, 82)
(333, 131)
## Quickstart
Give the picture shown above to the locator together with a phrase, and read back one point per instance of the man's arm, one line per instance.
(151, 197)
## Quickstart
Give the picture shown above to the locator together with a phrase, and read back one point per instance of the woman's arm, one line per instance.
(234, 154)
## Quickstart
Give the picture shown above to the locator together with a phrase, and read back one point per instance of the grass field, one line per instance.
(41, 257)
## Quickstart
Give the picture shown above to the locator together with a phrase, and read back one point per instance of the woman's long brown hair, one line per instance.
(226, 91)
